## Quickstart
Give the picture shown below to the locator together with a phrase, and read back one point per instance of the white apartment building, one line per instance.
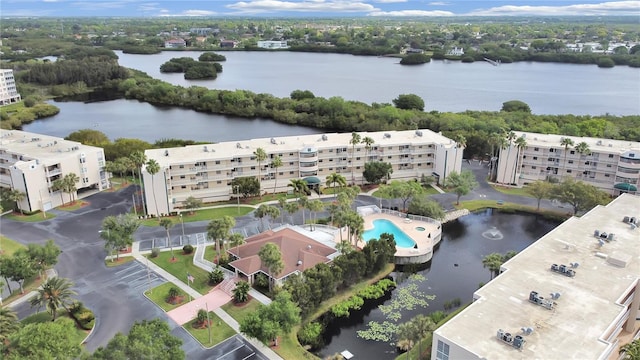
(590, 300)
(206, 171)
(8, 91)
(611, 165)
(32, 162)
(268, 44)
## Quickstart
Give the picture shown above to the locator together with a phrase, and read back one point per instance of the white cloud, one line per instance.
(100, 5)
(269, 6)
(438, 3)
(166, 13)
(601, 9)
(412, 13)
(49, 1)
(389, 1)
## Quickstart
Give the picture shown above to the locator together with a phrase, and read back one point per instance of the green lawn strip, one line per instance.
(160, 293)
(475, 205)
(35, 217)
(240, 312)
(73, 206)
(220, 331)
(203, 215)
(44, 316)
(29, 285)
(8, 246)
(182, 266)
(290, 348)
(121, 261)
(210, 253)
(511, 190)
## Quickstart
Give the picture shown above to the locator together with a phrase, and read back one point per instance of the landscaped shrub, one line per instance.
(216, 276)
(82, 316)
(311, 335)
(262, 281)
(341, 309)
(155, 252)
(187, 249)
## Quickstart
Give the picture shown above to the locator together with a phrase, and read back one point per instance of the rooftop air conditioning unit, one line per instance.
(418, 133)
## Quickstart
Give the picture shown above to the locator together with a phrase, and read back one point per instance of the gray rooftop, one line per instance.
(37, 146)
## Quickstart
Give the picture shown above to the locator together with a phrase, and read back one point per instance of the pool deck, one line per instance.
(425, 240)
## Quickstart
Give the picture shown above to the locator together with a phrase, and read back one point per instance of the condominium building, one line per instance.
(268, 44)
(573, 294)
(31, 163)
(8, 91)
(206, 171)
(611, 165)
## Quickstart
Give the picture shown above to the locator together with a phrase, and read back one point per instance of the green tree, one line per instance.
(355, 140)
(337, 180)
(515, 106)
(376, 171)
(271, 258)
(267, 322)
(583, 149)
(69, 185)
(191, 204)
(117, 167)
(566, 143)
(18, 268)
(540, 190)
(409, 102)
(241, 292)
(301, 95)
(461, 142)
(153, 168)
(403, 190)
(368, 145)
(138, 159)
(15, 196)
(146, 340)
(47, 340)
(261, 156)
(43, 257)
(494, 261)
(579, 195)
(8, 324)
(509, 137)
(275, 164)
(521, 144)
(117, 232)
(462, 183)
(54, 293)
(236, 239)
(314, 206)
(89, 137)
(218, 230)
(247, 186)
(423, 206)
(631, 351)
(266, 210)
(167, 224)
(58, 185)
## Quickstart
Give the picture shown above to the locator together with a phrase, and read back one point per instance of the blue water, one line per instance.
(382, 226)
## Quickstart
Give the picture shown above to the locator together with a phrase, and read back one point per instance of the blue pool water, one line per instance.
(382, 226)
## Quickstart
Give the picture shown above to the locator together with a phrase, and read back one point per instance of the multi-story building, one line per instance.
(610, 165)
(268, 44)
(31, 163)
(8, 91)
(206, 171)
(573, 294)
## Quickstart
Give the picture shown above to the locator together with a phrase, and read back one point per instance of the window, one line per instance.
(290, 172)
(570, 161)
(607, 175)
(535, 158)
(609, 165)
(181, 166)
(536, 149)
(534, 167)
(572, 152)
(182, 176)
(551, 150)
(568, 171)
(217, 162)
(610, 156)
(442, 353)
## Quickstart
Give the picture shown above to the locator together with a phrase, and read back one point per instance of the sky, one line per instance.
(316, 8)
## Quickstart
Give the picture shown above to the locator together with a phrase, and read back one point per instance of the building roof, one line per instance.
(590, 302)
(45, 148)
(299, 252)
(595, 144)
(243, 148)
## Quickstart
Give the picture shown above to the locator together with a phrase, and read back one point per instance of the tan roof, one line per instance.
(294, 246)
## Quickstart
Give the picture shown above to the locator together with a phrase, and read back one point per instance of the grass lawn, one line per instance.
(512, 190)
(474, 205)
(160, 293)
(210, 253)
(182, 266)
(123, 260)
(30, 284)
(8, 246)
(73, 206)
(202, 215)
(220, 331)
(35, 217)
(43, 316)
(240, 312)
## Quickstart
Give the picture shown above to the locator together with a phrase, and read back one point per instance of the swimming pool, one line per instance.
(381, 226)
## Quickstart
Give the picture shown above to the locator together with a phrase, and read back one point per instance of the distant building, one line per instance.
(201, 39)
(456, 51)
(273, 44)
(8, 91)
(31, 163)
(201, 31)
(175, 43)
(228, 43)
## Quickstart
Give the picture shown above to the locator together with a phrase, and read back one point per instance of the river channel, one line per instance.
(454, 272)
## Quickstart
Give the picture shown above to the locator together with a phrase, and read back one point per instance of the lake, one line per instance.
(454, 272)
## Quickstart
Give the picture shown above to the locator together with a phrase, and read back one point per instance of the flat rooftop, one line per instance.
(595, 144)
(38, 146)
(243, 148)
(588, 304)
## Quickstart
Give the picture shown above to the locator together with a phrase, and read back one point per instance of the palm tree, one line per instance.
(520, 143)
(167, 224)
(498, 143)
(355, 140)
(8, 323)
(282, 202)
(271, 258)
(344, 247)
(493, 262)
(138, 159)
(153, 168)
(16, 196)
(241, 292)
(70, 180)
(275, 164)
(54, 293)
(236, 239)
(583, 149)
(314, 206)
(461, 142)
(299, 186)
(336, 179)
(261, 156)
(422, 326)
(368, 145)
(218, 230)
(58, 185)
(567, 143)
(510, 137)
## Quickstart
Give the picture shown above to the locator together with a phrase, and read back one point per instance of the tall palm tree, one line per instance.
(422, 326)
(497, 142)
(54, 293)
(261, 156)
(461, 142)
(8, 323)
(567, 143)
(510, 137)
(314, 206)
(167, 224)
(138, 159)
(583, 149)
(70, 180)
(218, 230)
(16, 196)
(520, 143)
(368, 145)
(336, 179)
(355, 140)
(271, 258)
(58, 185)
(153, 168)
(275, 164)
(299, 187)
(493, 262)
(236, 239)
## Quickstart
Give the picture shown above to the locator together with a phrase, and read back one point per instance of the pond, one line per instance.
(455, 272)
